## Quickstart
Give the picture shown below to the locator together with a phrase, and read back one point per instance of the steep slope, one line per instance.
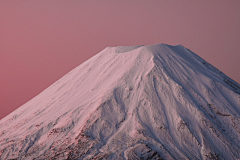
(139, 102)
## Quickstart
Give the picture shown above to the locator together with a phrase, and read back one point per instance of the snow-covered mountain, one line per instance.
(138, 102)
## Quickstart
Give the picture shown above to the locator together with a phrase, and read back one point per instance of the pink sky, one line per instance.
(40, 41)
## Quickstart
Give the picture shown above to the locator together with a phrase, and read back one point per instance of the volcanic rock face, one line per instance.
(140, 102)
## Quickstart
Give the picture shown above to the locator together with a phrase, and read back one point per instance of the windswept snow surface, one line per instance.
(139, 102)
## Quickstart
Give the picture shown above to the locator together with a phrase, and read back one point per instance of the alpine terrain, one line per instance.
(136, 102)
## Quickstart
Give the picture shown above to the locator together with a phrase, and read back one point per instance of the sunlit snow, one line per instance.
(136, 102)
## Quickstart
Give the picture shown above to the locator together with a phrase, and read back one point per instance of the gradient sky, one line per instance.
(40, 41)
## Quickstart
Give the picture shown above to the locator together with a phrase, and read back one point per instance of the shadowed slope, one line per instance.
(149, 102)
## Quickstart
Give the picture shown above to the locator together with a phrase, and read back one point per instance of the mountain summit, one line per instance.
(135, 102)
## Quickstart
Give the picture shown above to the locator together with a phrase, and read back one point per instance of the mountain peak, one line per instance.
(148, 50)
(156, 47)
(150, 102)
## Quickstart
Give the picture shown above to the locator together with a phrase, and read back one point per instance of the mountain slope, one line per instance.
(149, 102)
